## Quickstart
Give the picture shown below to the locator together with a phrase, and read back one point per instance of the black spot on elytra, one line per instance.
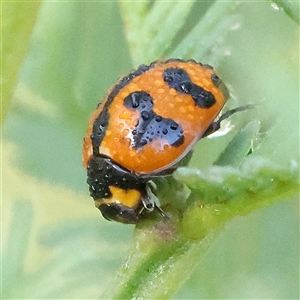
(179, 80)
(151, 126)
(99, 128)
(101, 122)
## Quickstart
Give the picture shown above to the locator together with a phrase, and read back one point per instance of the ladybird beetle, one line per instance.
(144, 126)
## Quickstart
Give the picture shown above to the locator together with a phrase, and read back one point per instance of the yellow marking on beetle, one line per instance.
(130, 198)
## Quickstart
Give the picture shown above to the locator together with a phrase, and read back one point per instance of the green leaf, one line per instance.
(290, 7)
(18, 20)
(13, 256)
(210, 30)
(221, 193)
(239, 146)
(150, 30)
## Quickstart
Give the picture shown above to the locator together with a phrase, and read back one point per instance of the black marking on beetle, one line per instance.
(102, 173)
(99, 128)
(101, 122)
(151, 126)
(119, 212)
(178, 79)
(216, 80)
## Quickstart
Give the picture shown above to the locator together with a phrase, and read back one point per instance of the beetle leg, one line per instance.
(215, 126)
(149, 201)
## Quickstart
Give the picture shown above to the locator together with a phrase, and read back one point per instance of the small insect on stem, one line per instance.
(145, 126)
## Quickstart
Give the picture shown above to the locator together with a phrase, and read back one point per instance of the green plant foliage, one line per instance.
(290, 7)
(154, 24)
(232, 230)
(217, 198)
(17, 22)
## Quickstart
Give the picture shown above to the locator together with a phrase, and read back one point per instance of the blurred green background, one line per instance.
(55, 243)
